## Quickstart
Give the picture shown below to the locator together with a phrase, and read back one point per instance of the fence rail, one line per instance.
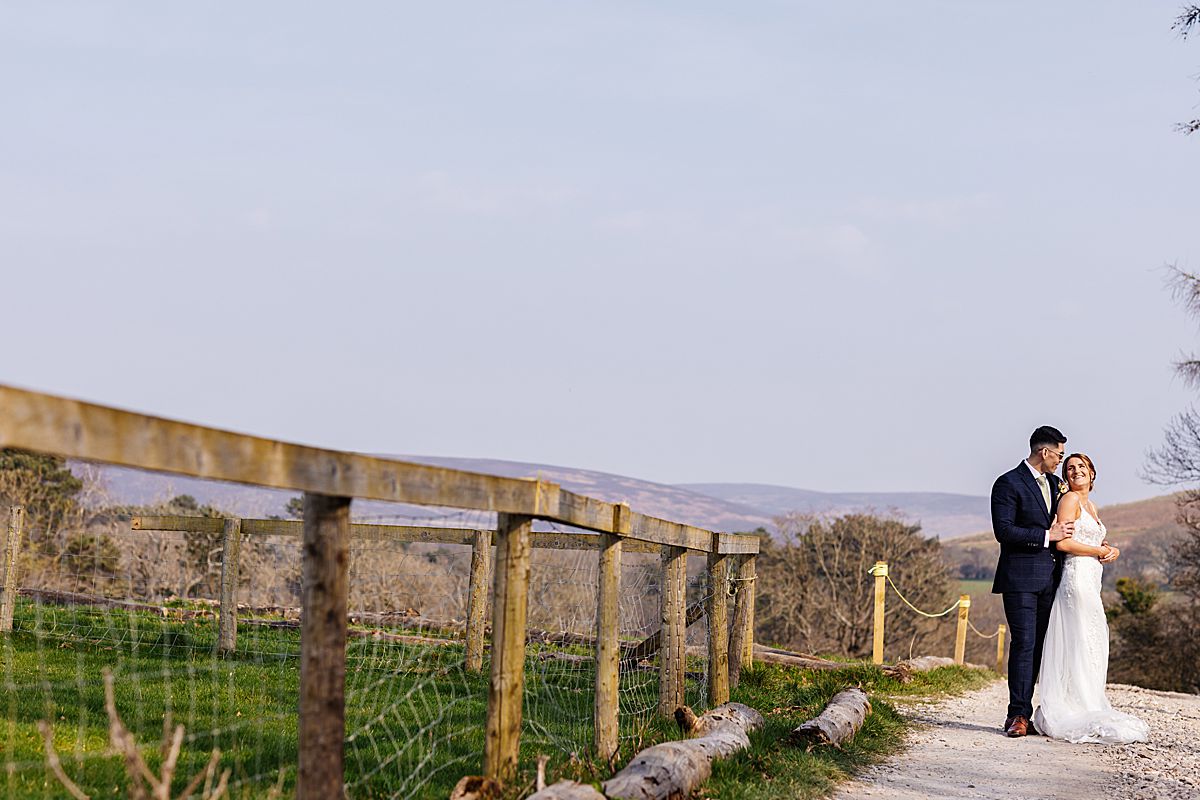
(551, 540)
(74, 429)
(329, 479)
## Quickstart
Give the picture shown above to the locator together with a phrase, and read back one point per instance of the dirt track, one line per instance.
(958, 751)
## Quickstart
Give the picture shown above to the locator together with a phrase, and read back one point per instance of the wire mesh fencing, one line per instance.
(145, 595)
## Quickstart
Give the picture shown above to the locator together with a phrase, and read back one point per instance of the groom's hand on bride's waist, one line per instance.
(1113, 553)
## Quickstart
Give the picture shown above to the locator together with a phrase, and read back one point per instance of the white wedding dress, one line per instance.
(1075, 656)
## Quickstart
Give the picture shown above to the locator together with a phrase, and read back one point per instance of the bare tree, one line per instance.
(1177, 462)
(1186, 24)
(815, 593)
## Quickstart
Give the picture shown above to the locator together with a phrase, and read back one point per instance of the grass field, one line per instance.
(414, 718)
(976, 588)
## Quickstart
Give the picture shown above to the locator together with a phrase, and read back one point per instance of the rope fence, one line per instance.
(883, 579)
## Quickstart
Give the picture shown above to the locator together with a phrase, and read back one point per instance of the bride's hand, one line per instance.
(1112, 555)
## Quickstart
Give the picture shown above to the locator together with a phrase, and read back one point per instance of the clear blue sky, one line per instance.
(832, 246)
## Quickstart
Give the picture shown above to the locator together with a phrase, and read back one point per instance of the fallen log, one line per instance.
(771, 655)
(930, 663)
(675, 769)
(840, 720)
(671, 769)
(58, 598)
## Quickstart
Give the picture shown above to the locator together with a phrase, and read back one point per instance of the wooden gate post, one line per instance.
(12, 548)
(672, 647)
(325, 585)
(960, 638)
(477, 599)
(880, 571)
(608, 628)
(510, 610)
(741, 644)
(1000, 648)
(231, 551)
(718, 626)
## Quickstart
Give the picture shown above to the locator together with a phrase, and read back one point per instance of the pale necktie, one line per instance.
(1045, 485)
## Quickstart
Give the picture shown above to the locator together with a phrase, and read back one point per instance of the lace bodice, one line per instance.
(1088, 529)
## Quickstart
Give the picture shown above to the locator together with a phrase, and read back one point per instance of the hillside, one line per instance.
(679, 504)
(943, 515)
(716, 506)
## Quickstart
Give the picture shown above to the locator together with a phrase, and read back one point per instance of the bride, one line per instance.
(1075, 655)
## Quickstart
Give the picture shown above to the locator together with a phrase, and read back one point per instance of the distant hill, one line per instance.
(129, 486)
(943, 515)
(716, 506)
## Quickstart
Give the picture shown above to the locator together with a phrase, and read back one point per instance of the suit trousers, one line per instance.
(1028, 615)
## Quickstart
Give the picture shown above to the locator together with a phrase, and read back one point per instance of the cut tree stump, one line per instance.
(568, 790)
(475, 787)
(840, 720)
(672, 769)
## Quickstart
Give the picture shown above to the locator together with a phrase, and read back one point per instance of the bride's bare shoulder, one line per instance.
(1069, 505)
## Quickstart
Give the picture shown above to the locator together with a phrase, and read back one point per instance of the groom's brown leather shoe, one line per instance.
(1017, 726)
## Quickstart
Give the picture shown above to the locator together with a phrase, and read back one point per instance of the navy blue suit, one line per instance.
(1027, 575)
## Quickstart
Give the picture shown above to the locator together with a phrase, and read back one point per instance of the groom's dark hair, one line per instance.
(1046, 436)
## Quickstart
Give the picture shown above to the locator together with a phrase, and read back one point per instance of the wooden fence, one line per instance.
(330, 479)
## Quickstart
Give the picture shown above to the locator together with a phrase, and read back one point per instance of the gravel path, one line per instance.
(957, 750)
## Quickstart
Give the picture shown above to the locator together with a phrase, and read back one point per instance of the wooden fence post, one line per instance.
(608, 629)
(477, 599)
(672, 647)
(12, 548)
(718, 626)
(960, 638)
(509, 613)
(741, 644)
(880, 571)
(1000, 649)
(325, 585)
(231, 551)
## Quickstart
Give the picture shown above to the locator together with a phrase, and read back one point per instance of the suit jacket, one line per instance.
(1020, 522)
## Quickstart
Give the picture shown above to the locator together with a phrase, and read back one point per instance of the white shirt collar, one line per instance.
(1036, 473)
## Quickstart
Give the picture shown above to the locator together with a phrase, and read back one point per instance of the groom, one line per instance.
(1024, 502)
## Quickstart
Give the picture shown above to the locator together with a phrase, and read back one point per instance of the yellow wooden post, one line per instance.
(960, 640)
(606, 710)
(1000, 649)
(231, 552)
(741, 640)
(12, 547)
(510, 608)
(477, 598)
(671, 651)
(880, 571)
(718, 627)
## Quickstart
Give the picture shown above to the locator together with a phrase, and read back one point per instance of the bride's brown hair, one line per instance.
(1084, 458)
